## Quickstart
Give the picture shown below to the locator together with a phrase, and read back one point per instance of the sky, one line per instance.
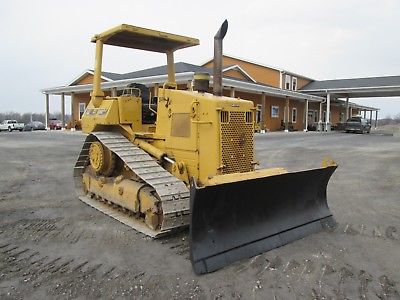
(47, 43)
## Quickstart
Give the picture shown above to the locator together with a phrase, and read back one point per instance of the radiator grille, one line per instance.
(237, 143)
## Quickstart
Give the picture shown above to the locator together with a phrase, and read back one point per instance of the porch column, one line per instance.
(72, 112)
(47, 111)
(328, 111)
(232, 92)
(370, 117)
(376, 119)
(287, 115)
(114, 92)
(189, 85)
(320, 117)
(156, 87)
(351, 112)
(263, 108)
(63, 111)
(347, 108)
(306, 116)
(365, 113)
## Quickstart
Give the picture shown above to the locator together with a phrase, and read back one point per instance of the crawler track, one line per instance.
(173, 193)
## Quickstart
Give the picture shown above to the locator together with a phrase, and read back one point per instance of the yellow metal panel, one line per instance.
(130, 110)
(106, 114)
(235, 177)
(180, 126)
(201, 151)
(145, 39)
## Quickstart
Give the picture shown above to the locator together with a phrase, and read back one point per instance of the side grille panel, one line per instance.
(237, 143)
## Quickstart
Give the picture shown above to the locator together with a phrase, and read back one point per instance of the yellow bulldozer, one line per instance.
(190, 162)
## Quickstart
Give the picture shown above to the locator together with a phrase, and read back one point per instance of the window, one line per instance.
(258, 115)
(316, 116)
(287, 82)
(82, 107)
(294, 115)
(294, 83)
(324, 116)
(274, 111)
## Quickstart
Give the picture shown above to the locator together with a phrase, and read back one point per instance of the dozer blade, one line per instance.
(241, 219)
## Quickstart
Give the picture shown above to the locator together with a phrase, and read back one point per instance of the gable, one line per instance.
(259, 73)
(235, 74)
(85, 79)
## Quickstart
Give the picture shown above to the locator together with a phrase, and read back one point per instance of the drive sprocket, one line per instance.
(101, 159)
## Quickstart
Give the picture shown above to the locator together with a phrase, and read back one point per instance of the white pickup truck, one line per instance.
(11, 125)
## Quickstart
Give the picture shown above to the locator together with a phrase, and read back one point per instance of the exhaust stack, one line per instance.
(217, 73)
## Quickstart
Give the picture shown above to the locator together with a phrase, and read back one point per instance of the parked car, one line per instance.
(34, 125)
(55, 124)
(11, 125)
(357, 124)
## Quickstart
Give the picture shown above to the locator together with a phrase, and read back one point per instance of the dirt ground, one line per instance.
(388, 129)
(54, 246)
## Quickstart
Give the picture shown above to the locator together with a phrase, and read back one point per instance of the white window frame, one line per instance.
(274, 107)
(294, 83)
(294, 114)
(80, 111)
(287, 82)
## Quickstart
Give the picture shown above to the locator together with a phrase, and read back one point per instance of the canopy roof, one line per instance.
(383, 86)
(129, 36)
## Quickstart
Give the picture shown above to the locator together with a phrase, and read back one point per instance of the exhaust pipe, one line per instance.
(217, 72)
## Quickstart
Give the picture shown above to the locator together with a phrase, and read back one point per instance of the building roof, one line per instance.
(180, 67)
(382, 86)
(353, 83)
(109, 75)
(184, 73)
(284, 71)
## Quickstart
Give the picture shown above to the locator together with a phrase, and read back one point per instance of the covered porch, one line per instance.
(340, 91)
(292, 106)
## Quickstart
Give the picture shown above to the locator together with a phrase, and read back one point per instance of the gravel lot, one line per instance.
(54, 246)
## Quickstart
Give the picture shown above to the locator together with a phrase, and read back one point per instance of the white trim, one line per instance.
(294, 109)
(393, 88)
(151, 80)
(183, 78)
(288, 80)
(237, 67)
(294, 80)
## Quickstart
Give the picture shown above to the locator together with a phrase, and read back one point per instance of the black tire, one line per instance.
(20, 130)
(9, 129)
